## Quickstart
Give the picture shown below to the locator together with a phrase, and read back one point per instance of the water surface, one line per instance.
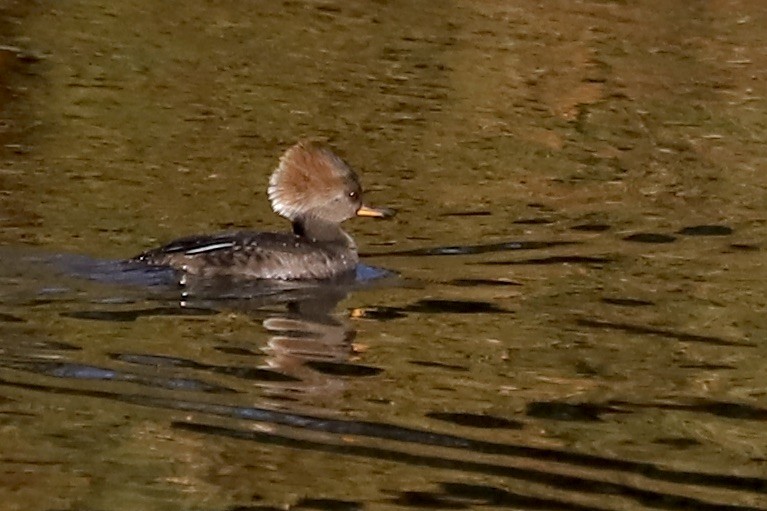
(578, 321)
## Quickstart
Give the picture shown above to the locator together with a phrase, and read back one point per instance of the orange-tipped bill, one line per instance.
(375, 212)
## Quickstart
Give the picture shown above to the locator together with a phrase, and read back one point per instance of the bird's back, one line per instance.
(254, 255)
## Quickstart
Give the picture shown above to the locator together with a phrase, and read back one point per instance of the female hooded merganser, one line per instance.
(314, 189)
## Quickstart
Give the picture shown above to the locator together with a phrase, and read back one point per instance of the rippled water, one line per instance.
(577, 319)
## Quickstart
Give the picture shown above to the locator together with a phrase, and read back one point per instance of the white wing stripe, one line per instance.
(210, 248)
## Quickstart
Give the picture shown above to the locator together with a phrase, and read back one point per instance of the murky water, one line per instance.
(579, 321)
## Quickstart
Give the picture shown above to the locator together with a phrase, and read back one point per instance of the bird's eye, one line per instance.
(353, 195)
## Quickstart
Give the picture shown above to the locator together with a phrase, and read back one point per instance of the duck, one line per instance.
(316, 191)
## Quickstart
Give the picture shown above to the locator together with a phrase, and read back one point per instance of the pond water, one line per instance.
(577, 319)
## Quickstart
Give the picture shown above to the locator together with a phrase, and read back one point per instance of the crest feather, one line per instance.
(308, 175)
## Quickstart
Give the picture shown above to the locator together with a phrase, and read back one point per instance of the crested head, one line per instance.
(312, 180)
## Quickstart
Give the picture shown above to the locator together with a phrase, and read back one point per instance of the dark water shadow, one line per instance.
(432, 306)
(460, 495)
(662, 332)
(706, 230)
(453, 250)
(591, 227)
(650, 237)
(123, 316)
(626, 302)
(473, 420)
(84, 372)
(500, 282)
(578, 412)
(553, 260)
(117, 272)
(724, 409)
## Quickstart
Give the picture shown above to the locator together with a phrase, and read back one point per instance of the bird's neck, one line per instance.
(316, 229)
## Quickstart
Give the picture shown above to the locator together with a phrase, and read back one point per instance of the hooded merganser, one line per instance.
(314, 189)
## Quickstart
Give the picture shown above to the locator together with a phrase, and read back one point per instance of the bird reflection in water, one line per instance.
(308, 342)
